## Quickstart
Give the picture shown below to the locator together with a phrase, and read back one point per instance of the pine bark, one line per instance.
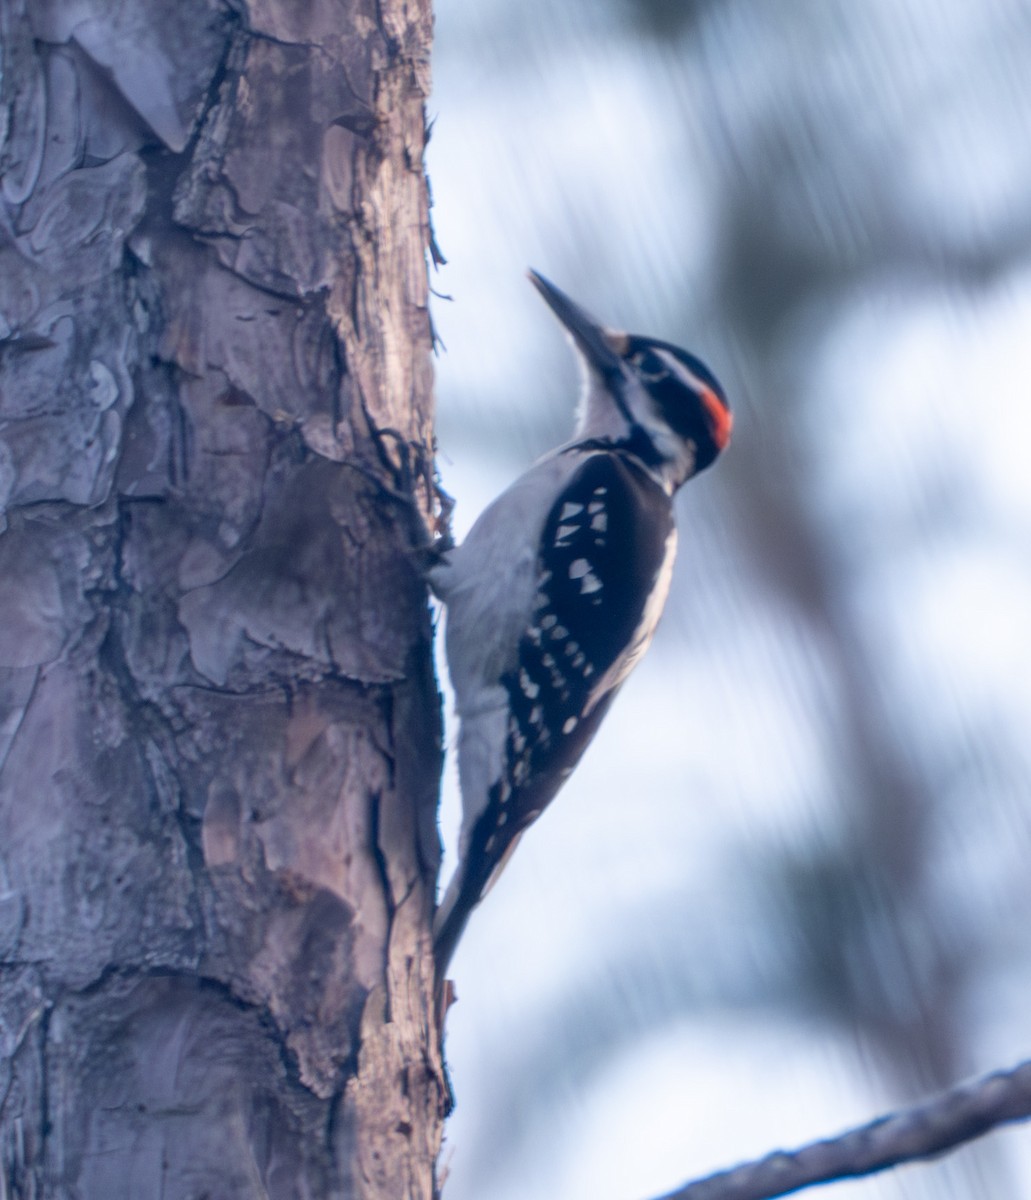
(219, 725)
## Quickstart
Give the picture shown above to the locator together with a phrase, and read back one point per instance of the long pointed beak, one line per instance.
(598, 345)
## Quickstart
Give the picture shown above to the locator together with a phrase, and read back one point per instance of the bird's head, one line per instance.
(662, 402)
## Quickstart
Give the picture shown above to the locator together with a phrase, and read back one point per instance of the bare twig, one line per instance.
(957, 1116)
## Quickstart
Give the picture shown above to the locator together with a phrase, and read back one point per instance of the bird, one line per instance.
(554, 596)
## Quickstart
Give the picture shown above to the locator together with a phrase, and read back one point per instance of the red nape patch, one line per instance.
(721, 420)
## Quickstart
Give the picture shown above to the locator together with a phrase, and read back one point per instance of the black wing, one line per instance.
(603, 546)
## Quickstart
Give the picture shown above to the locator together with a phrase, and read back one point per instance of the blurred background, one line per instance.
(789, 887)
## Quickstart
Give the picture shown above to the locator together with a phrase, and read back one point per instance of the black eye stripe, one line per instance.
(678, 385)
(680, 409)
(650, 367)
(643, 353)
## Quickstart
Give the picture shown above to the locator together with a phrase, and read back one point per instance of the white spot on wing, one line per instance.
(580, 569)
(570, 510)
(530, 689)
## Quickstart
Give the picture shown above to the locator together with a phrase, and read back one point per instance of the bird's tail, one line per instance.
(451, 918)
(472, 880)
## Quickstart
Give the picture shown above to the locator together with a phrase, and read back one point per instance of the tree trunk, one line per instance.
(219, 727)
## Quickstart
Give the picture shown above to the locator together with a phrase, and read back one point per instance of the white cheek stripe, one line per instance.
(683, 373)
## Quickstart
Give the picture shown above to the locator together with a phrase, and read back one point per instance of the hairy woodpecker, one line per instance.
(554, 596)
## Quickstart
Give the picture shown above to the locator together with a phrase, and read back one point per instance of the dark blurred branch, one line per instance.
(955, 1117)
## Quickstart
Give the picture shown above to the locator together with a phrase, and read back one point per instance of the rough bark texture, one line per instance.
(219, 738)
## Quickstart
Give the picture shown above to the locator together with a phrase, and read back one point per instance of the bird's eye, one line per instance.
(649, 366)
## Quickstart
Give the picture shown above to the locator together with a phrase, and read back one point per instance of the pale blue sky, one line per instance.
(631, 1006)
